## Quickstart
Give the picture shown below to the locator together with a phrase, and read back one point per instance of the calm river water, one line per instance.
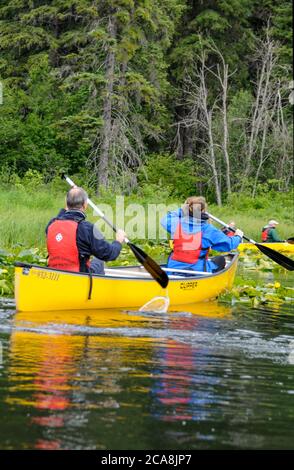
(209, 377)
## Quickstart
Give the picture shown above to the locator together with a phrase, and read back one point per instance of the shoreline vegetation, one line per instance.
(28, 204)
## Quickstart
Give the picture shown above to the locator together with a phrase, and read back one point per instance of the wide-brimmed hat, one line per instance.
(273, 222)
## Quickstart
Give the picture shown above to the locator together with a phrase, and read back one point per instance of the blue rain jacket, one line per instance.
(211, 238)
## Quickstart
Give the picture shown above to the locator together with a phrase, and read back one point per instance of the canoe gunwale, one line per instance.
(232, 256)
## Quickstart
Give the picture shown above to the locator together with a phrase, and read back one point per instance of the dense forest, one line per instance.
(190, 94)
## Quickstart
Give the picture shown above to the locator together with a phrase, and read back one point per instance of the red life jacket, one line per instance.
(62, 245)
(187, 246)
(265, 232)
(228, 232)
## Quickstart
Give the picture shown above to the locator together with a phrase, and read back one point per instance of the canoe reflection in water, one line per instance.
(76, 376)
(178, 362)
(66, 366)
(50, 378)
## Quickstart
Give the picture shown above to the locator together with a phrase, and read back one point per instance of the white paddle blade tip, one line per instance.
(156, 305)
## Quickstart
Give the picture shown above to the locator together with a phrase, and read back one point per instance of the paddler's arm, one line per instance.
(218, 240)
(91, 239)
(170, 221)
(275, 237)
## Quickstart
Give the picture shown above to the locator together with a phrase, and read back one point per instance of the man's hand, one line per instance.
(120, 236)
(239, 233)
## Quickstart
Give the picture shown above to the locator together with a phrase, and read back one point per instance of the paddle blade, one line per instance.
(283, 260)
(157, 305)
(150, 265)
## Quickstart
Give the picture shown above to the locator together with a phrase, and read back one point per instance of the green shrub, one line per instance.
(32, 180)
(176, 177)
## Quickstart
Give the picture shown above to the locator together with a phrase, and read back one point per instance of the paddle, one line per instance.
(283, 260)
(149, 264)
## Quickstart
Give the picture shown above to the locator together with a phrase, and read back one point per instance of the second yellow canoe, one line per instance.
(280, 247)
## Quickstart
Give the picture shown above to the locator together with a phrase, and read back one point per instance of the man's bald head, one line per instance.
(76, 198)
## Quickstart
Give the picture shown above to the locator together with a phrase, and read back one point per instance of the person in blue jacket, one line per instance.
(193, 236)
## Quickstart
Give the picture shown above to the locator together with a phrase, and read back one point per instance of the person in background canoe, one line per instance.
(71, 240)
(227, 231)
(269, 233)
(193, 237)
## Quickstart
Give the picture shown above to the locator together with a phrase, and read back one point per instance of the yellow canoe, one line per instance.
(45, 289)
(280, 247)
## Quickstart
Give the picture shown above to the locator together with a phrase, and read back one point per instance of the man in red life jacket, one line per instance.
(71, 240)
(269, 233)
(227, 231)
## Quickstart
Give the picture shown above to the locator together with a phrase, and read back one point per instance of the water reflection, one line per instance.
(61, 375)
(179, 365)
(61, 368)
(41, 368)
(201, 375)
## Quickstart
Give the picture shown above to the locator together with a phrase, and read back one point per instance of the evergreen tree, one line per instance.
(97, 86)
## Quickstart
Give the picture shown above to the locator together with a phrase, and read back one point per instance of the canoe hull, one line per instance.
(44, 289)
(280, 247)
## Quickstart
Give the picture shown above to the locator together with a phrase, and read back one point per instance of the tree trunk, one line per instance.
(188, 142)
(225, 128)
(285, 164)
(179, 151)
(213, 160)
(261, 158)
(268, 59)
(106, 134)
(208, 118)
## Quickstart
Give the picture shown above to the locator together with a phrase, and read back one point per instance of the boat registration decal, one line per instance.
(45, 275)
(188, 285)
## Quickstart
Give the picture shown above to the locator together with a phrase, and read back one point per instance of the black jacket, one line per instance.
(89, 243)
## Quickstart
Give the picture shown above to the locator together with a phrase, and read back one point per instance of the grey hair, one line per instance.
(76, 198)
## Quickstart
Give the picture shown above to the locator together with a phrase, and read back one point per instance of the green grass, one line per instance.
(251, 215)
(252, 224)
(24, 214)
